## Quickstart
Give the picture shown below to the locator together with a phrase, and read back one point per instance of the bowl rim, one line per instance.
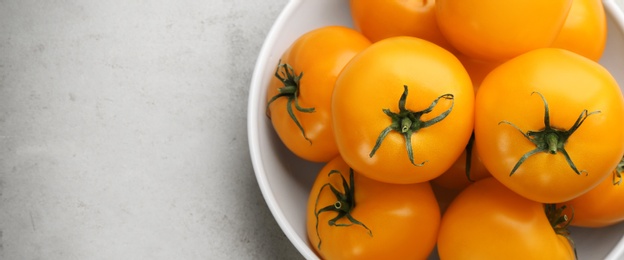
(253, 136)
(611, 7)
(617, 14)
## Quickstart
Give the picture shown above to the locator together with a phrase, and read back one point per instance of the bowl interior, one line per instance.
(285, 180)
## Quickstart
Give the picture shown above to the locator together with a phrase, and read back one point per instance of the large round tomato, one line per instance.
(403, 110)
(585, 29)
(299, 96)
(601, 206)
(546, 124)
(488, 221)
(500, 30)
(380, 19)
(350, 216)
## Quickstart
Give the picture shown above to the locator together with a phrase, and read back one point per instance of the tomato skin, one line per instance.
(499, 30)
(600, 207)
(320, 54)
(570, 83)
(488, 221)
(403, 219)
(373, 81)
(455, 177)
(477, 69)
(380, 19)
(585, 29)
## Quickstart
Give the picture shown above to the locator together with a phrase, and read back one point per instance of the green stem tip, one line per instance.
(345, 203)
(291, 81)
(549, 139)
(409, 122)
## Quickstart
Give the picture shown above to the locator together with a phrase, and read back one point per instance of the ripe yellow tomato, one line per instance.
(299, 96)
(546, 124)
(601, 206)
(499, 30)
(350, 216)
(585, 29)
(403, 110)
(488, 221)
(461, 174)
(477, 69)
(380, 19)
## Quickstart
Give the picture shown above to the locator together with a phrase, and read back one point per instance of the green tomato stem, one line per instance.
(550, 139)
(409, 122)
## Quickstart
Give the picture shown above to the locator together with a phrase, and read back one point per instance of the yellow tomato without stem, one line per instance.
(585, 29)
(380, 19)
(499, 30)
(488, 221)
(460, 175)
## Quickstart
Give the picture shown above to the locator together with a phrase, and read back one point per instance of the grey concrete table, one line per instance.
(123, 130)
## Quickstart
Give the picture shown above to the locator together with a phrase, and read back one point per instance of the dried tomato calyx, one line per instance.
(560, 222)
(617, 173)
(468, 164)
(550, 139)
(345, 203)
(408, 122)
(286, 74)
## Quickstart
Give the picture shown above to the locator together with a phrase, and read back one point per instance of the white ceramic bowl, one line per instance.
(285, 180)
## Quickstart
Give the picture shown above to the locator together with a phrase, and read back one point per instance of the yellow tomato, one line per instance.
(299, 96)
(499, 30)
(350, 216)
(403, 110)
(488, 221)
(601, 206)
(462, 174)
(585, 29)
(380, 19)
(546, 124)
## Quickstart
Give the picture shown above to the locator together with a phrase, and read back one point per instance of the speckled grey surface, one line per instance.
(123, 130)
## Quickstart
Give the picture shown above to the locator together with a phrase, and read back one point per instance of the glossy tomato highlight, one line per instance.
(299, 95)
(350, 216)
(546, 124)
(403, 110)
(498, 30)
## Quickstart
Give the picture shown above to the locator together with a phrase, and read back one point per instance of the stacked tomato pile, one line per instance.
(482, 127)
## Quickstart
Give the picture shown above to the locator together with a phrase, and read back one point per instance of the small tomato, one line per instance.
(585, 29)
(299, 96)
(499, 30)
(488, 221)
(380, 19)
(477, 69)
(350, 216)
(601, 206)
(464, 171)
